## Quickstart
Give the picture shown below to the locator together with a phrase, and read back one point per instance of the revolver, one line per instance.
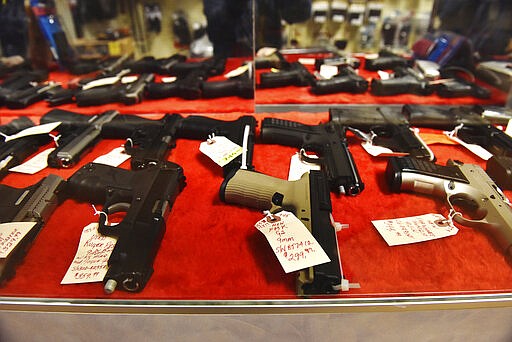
(146, 197)
(464, 186)
(309, 199)
(328, 140)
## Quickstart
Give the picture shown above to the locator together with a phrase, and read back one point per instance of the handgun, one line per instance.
(468, 123)
(382, 126)
(241, 86)
(129, 94)
(14, 126)
(459, 87)
(14, 152)
(80, 132)
(472, 196)
(150, 64)
(346, 81)
(189, 79)
(77, 141)
(150, 145)
(386, 61)
(23, 98)
(292, 74)
(20, 80)
(327, 140)
(146, 197)
(32, 204)
(309, 199)
(405, 80)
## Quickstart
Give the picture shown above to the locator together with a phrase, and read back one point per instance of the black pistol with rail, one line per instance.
(327, 140)
(146, 197)
(383, 126)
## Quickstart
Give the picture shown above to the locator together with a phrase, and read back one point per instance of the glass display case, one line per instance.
(214, 275)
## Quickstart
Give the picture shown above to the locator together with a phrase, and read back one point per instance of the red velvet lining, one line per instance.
(212, 251)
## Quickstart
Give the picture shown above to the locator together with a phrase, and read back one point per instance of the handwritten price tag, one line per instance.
(34, 164)
(414, 229)
(292, 242)
(220, 149)
(90, 262)
(114, 158)
(11, 233)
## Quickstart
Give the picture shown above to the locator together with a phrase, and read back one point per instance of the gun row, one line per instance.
(147, 191)
(129, 82)
(407, 76)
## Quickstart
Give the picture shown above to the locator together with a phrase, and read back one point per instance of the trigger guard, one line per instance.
(103, 226)
(458, 217)
(304, 157)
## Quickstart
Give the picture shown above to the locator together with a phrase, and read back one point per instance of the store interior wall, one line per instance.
(315, 33)
(308, 33)
(160, 44)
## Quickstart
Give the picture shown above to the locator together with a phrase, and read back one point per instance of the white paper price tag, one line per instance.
(292, 242)
(476, 149)
(237, 72)
(380, 151)
(34, 130)
(114, 158)
(306, 61)
(220, 149)
(266, 51)
(414, 229)
(11, 233)
(298, 166)
(328, 71)
(90, 262)
(34, 164)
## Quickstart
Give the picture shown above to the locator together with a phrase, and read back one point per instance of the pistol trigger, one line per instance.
(304, 157)
(112, 229)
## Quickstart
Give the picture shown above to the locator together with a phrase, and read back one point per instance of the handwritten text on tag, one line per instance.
(90, 262)
(414, 229)
(220, 149)
(11, 234)
(35, 164)
(292, 242)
